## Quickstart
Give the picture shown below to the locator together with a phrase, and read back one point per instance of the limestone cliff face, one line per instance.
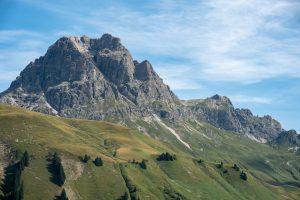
(91, 79)
(288, 138)
(219, 111)
(97, 78)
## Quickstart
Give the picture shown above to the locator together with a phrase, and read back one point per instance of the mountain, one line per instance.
(91, 79)
(289, 140)
(219, 111)
(152, 145)
(87, 78)
(271, 174)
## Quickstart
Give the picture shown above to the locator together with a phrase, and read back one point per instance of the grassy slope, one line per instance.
(41, 134)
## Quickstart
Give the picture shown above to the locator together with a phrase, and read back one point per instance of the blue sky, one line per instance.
(248, 50)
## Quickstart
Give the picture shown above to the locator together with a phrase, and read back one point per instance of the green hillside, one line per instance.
(271, 173)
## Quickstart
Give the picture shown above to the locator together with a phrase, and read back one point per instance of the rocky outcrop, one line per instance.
(288, 138)
(92, 79)
(97, 78)
(219, 111)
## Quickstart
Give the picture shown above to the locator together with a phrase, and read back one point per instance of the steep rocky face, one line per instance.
(97, 78)
(91, 79)
(219, 111)
(288, 138)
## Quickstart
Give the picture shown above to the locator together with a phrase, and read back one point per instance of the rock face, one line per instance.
(91, 79)
(98, 78)
(287, 138)
(219, 111)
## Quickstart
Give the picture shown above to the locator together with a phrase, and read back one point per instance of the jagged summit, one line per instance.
(288, 138)
(107, 41)
(90, 78)
(216, 102)
(97, 78)
(221, 99)
(219, 111)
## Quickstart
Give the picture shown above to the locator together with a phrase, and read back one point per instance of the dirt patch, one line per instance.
(70, 193)
(5, 153)
(73, 170)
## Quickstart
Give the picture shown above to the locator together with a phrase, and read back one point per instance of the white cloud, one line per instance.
(223, 40)
(11, 35)
(8, 76)
(182, 84)
(18, 49)
(250, 99)
(241, 41)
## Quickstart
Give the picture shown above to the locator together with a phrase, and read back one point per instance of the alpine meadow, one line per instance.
(89, 119)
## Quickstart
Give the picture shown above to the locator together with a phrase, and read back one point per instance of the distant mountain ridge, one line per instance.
(219, 111)
(89, 78)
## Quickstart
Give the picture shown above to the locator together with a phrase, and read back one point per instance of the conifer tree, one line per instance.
(21, 191)
(236, 167)
(61, 175)
(26, 159)
(16, 185)
(58, 170)
(220, 165)
(63, 195)
(166, 157)
(243, 176)
(86, 158)
(98, 162)
(125, 196)
(143, 164)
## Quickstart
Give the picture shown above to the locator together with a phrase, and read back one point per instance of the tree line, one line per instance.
(13, 186)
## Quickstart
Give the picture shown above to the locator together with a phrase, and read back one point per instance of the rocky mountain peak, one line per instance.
(219, 100)
(288, 138)
(97, 78)
(86, 44)
(107, 41)
(144, 71)
(92, 79)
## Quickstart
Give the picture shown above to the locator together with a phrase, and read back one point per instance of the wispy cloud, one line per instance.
(8, 76)
(234, 41)
(237, 41)
(17, 49)
(198, 47)
(250, 99)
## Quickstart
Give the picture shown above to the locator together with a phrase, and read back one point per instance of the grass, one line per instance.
(269, 175)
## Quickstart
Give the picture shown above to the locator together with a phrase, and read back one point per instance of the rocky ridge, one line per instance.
(219, 111)
(288, 138)
(89, 78)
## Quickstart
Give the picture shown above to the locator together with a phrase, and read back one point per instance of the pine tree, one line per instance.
(61, 175)
(98, 162)
(16, 186)
(125, 196)
(243, 176)
(21, 165)
(21, 191)
(63, 195)
(86, 158)
(143, 164)
(55, 159)
(58, 170)
(166, 157)
(236, 167)
(220, 165)
(26, 159)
